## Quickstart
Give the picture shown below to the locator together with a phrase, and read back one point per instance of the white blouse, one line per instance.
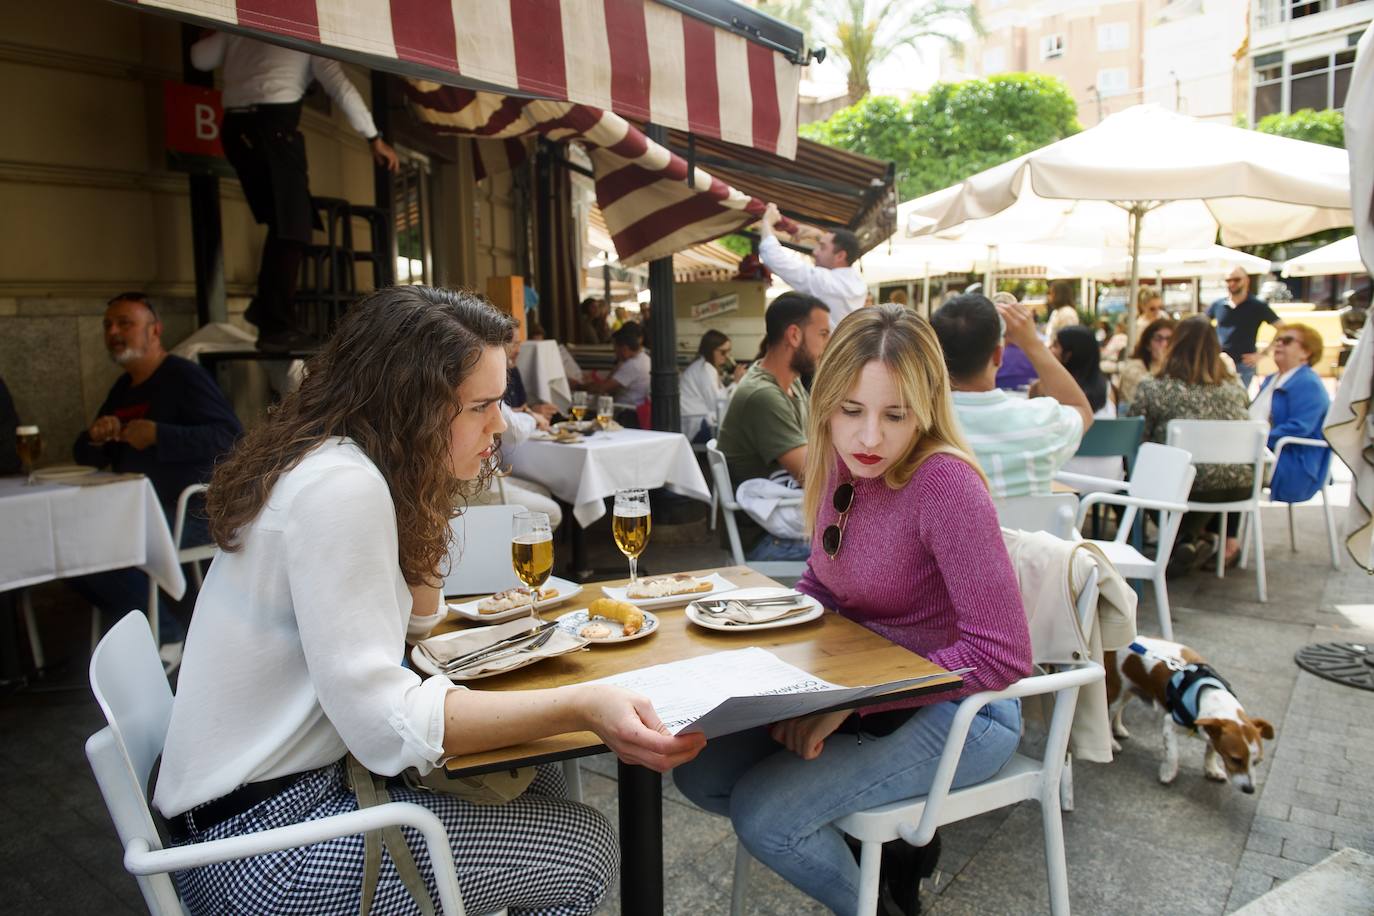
(294, 652)
(699, 392)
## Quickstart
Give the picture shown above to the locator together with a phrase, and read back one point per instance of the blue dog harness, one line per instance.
(1185, 687)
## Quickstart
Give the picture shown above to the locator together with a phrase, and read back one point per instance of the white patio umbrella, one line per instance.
(1341, 257)
(1177, 182)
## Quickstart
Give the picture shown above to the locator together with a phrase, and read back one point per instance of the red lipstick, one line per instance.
(867, 459)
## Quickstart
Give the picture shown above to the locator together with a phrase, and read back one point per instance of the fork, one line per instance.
(483, 658)
(752, 602)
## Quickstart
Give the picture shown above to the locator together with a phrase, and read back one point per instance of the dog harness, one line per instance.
(1185, 688)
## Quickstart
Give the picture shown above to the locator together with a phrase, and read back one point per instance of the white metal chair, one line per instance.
(129, 685)
(194, 555)
(720, 479)
(1160, 482)
(1055, 513)
(1023, 778)
(1230, 442)
(1331, 539)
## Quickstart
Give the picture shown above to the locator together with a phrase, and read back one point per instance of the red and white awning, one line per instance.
(639, 58)
(642, 188)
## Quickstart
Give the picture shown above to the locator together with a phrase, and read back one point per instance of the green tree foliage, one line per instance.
(1326, 127)
(956, 129)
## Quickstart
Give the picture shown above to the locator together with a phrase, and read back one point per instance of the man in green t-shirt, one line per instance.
(765, 428)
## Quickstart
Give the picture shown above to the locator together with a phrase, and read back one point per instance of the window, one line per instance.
(1051, 47)
(994, 61)
(410, 202)
(1114, 36)
(1112, 81)
(1317, 83)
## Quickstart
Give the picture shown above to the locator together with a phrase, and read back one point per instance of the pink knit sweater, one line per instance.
(925, 567)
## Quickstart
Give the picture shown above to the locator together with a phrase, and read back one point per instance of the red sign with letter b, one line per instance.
(191, 121)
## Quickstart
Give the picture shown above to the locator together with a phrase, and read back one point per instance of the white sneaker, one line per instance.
(170, 653)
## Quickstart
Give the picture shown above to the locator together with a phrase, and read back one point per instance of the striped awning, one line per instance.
(717, 69)
(654, 202)
(641, 187)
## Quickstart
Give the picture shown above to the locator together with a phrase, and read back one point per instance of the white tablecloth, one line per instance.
(586, 472)
(541, 369)
(53, 531)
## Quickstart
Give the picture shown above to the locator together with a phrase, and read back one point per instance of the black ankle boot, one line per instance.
(904, 865)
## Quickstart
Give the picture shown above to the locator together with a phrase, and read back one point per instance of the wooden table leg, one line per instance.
(641, 841)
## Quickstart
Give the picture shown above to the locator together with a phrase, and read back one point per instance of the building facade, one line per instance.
(1301, 53)
(1187, 56)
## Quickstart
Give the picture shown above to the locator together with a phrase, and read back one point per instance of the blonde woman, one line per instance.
(905, 542)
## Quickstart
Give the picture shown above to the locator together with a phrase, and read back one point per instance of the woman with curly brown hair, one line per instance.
(333, 522)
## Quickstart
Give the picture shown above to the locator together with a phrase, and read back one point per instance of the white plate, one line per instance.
(719, 585)
(467, 610)
(573, 621)
(422, 663)
(64, 472)
(695, 614)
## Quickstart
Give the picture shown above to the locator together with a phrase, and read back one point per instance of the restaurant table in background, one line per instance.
(582, 474)
(56, 531)
(833, 648)
(541, 369)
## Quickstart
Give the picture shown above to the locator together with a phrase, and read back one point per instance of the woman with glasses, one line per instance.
(1146, 359)
(1293, 401)
(905, 542)
(702, 391)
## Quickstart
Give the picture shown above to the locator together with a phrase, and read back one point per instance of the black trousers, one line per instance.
(267, 150)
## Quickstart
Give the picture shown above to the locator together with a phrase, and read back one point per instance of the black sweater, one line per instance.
(195, 427)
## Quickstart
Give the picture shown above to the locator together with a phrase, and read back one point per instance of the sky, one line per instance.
(903, 72)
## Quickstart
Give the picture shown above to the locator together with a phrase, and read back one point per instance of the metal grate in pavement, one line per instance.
(1346, 663)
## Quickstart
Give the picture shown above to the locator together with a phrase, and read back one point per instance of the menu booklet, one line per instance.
(728, 692)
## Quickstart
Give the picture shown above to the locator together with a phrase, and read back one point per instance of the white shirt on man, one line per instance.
(840, 288)
(258, 73)
(633, 375)
(294, 653)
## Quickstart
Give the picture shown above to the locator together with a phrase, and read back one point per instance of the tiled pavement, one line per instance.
(1133, 844)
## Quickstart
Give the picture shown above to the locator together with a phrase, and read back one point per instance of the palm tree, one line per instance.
(865, 33)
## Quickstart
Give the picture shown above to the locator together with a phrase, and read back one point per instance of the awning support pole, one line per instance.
(382, 189)
(663, 388)
(207, 248)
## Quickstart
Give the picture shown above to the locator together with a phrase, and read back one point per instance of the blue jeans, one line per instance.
(771, 548)
(1246, 375)
(783, 807)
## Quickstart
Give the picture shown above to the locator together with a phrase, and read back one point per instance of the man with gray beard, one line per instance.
(165, 418)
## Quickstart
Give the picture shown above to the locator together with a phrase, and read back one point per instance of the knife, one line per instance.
(510, 641)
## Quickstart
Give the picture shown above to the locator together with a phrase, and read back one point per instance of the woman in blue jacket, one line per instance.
(1293, 401)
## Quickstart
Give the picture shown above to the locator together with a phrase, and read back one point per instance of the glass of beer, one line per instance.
(531, 551)
(631, 526)
(605, 411)
(29, 443)
(579, 406)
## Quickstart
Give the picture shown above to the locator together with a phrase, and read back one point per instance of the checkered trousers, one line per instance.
(539, 854)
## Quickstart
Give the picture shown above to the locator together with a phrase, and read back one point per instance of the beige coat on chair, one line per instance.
(1051, 572)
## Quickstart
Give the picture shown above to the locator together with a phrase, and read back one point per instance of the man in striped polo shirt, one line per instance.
(1020, 443)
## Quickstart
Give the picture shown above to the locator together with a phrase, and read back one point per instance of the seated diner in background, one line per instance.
(1016, 372)
(905, 541)
(333, 519)
(1077, 350)
(628, 383)
(702, 391)
(1146, 358)
(1193, 384)
(1293, 401)
(1149, 306)
(1020, 444)
(764, 430)
(593, 324)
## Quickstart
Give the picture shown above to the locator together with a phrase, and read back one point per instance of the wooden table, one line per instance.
(832, 647)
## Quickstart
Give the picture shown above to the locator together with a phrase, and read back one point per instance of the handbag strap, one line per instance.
(372, 791)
